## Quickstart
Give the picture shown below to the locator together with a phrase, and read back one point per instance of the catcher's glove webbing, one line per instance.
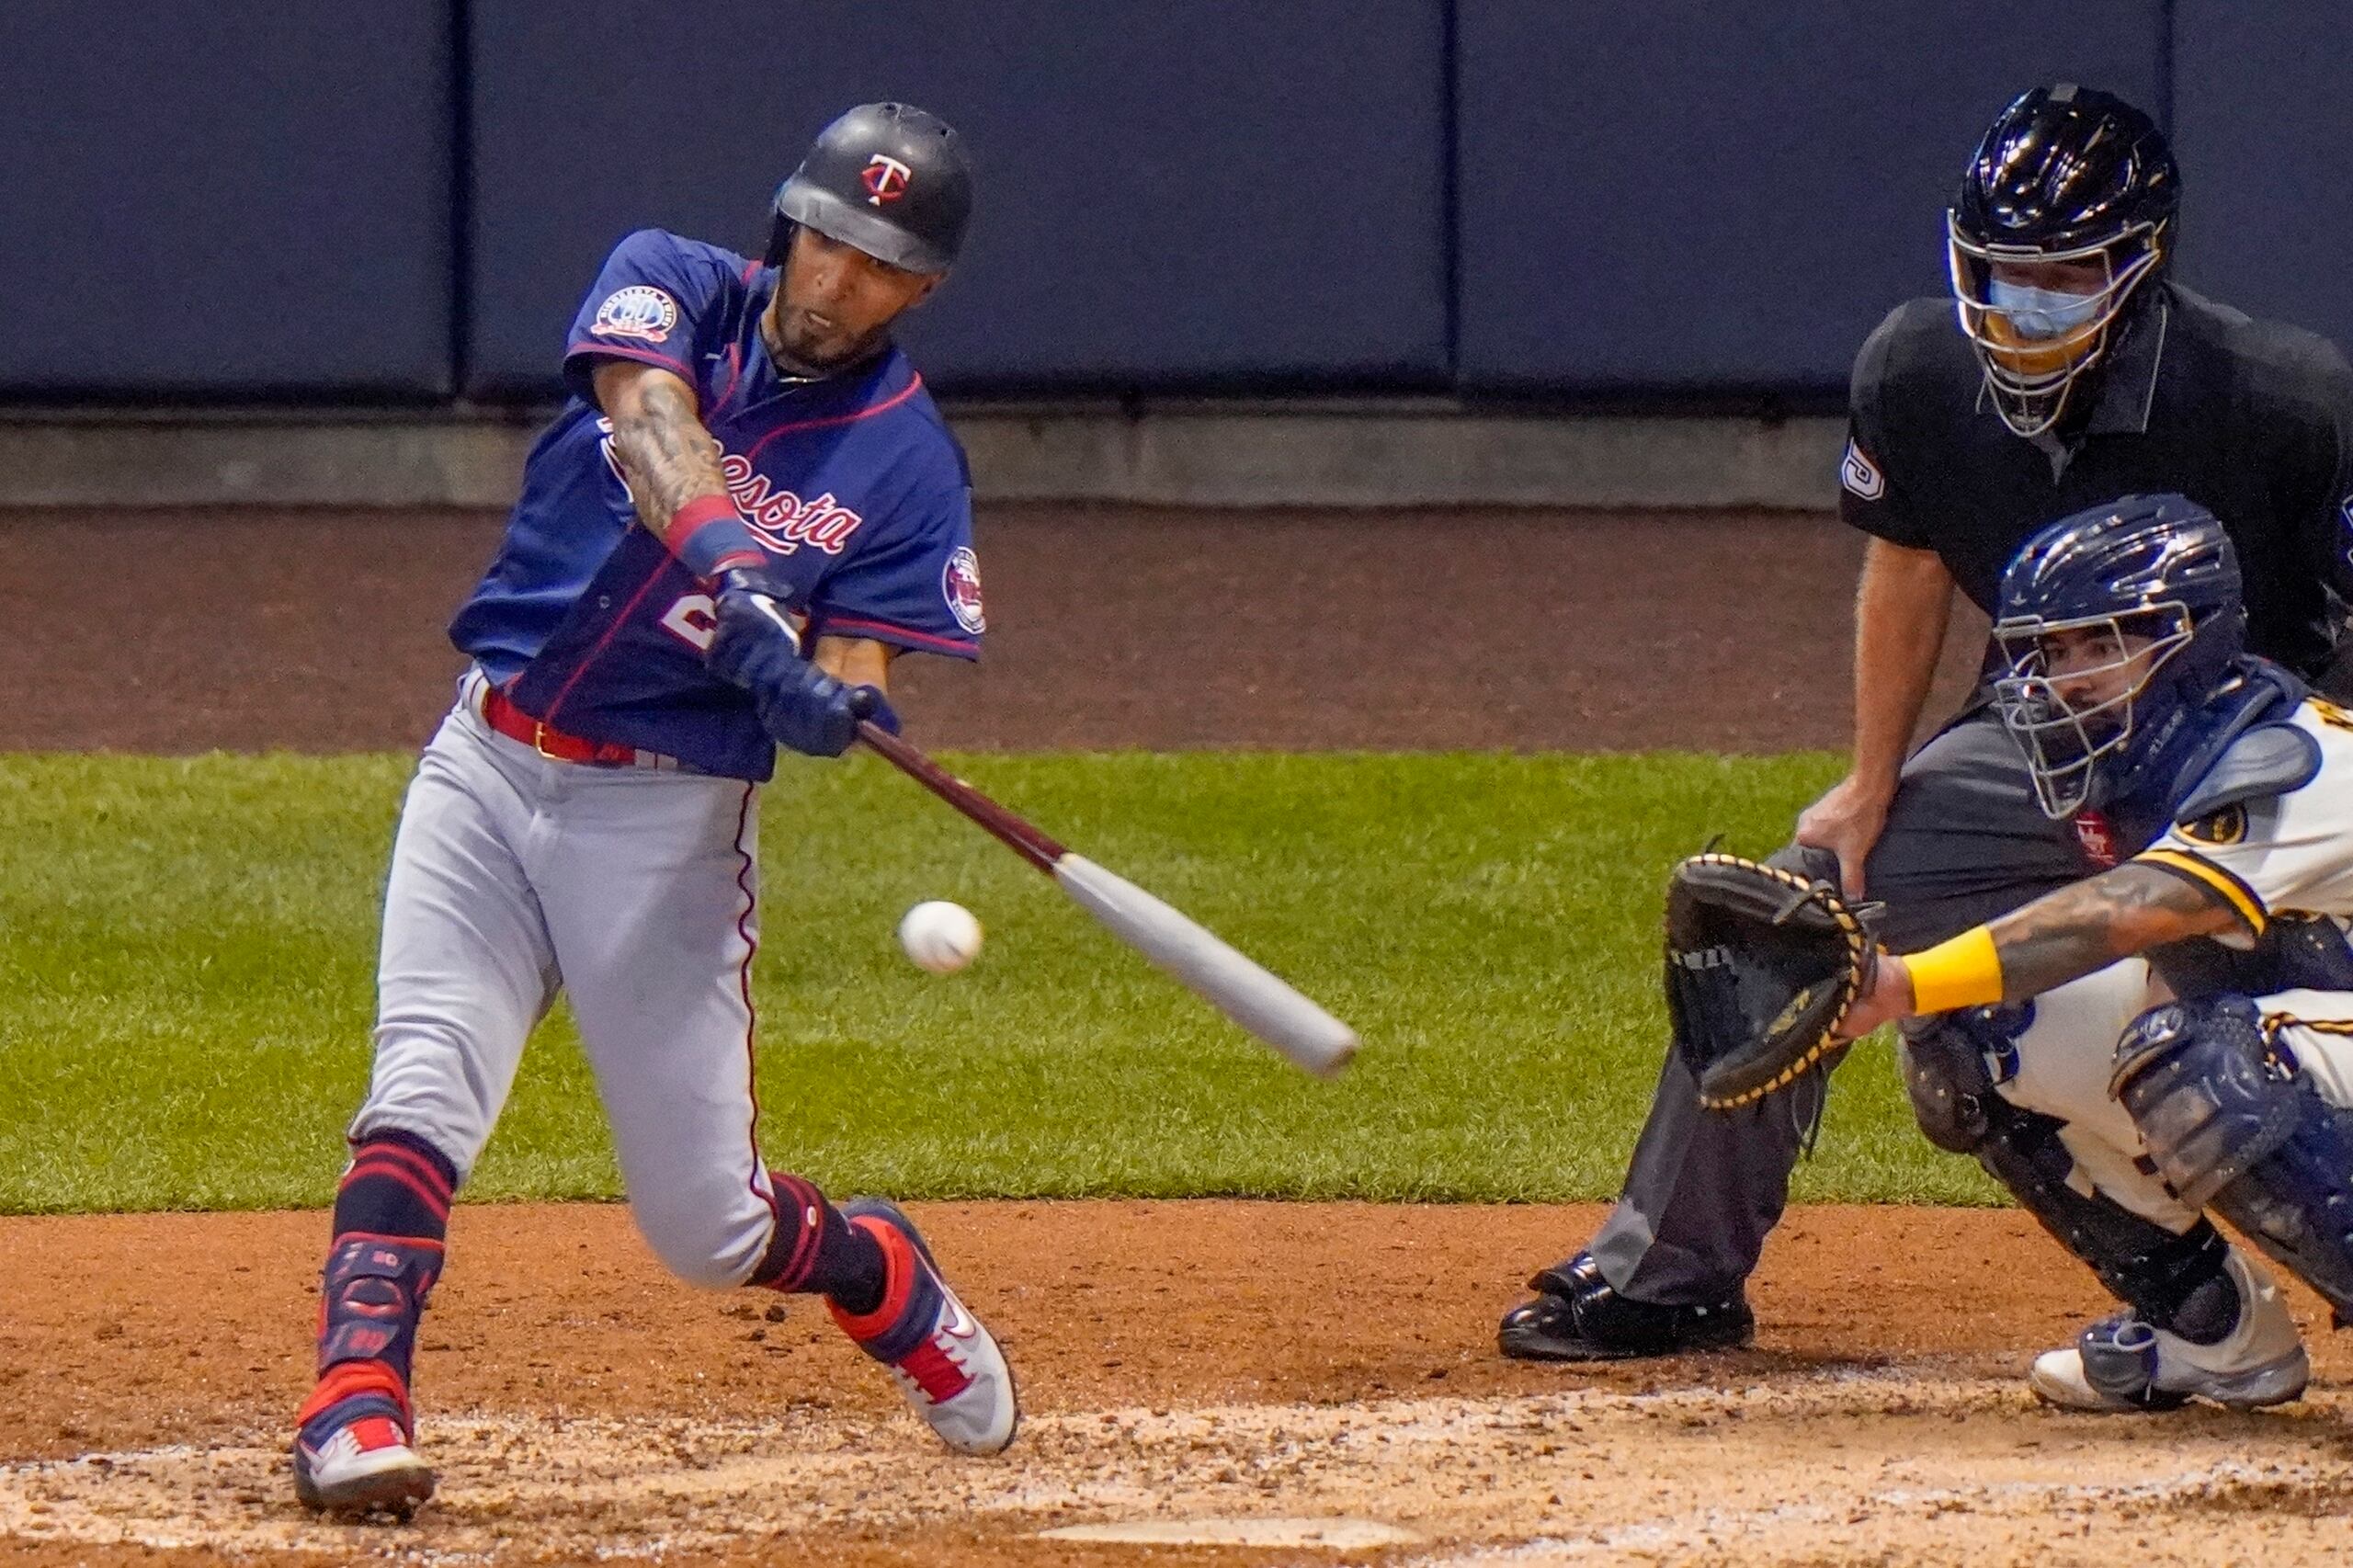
(1762, 965)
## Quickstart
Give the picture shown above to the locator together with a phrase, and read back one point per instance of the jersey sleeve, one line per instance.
(1872, 495)
(915, 583)
(653, 302)
(2294, 852)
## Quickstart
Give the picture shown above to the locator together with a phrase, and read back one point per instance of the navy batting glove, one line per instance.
(867, 702)
(755, 647)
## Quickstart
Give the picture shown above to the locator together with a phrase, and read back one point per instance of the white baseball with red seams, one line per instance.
(939, 935)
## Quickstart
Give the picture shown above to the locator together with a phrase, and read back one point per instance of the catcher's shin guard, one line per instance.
(2232, 1125)
(2123, 1363)
(1947, 1060)
(2174, 1282)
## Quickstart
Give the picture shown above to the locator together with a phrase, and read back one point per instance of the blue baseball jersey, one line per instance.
(852, 483)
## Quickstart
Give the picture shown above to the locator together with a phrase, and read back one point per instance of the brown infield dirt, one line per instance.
(1322, 1375)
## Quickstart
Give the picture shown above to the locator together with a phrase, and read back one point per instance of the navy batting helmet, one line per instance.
(2117, 625)
(887, 178)
(2066, 175)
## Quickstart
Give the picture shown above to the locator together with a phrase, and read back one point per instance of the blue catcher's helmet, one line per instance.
(2116, 627)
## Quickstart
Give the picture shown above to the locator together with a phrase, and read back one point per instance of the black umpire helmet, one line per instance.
(887, 178)
(2066, 175)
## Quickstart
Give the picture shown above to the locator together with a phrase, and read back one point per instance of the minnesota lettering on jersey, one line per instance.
(783, 521)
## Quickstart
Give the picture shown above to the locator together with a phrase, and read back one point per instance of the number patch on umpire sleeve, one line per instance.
(1859, 474)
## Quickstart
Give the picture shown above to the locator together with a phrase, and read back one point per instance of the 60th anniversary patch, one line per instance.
(639, 310)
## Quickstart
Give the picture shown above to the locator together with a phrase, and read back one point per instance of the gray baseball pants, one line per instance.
(635, 891)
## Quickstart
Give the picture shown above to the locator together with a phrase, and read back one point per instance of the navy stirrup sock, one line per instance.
(392, 1216)
(815, 1250)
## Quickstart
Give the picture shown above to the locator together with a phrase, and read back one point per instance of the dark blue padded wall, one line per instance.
(254, 198)
(2263, 124)
(1699, 197)
(1183, 193)
(241, 197)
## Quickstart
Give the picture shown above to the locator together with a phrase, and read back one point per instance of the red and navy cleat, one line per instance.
(951, 1372)
(355, 1453)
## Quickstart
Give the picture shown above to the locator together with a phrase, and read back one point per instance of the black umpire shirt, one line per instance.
(2251, 419)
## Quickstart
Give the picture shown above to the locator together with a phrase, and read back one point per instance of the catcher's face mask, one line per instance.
(2039, 318)
(2071, 691)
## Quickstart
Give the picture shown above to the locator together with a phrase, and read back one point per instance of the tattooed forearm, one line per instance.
(2066, 934)
(661, 446)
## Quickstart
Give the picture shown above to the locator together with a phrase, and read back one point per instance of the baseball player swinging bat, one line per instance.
(1241, 989)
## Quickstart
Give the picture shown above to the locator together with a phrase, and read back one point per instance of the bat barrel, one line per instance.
(1244, 991)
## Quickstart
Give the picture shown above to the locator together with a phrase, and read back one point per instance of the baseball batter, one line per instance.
(748, 508)
(2126, 683)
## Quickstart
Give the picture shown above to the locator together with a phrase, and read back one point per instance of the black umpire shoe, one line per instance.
(1576, 1316)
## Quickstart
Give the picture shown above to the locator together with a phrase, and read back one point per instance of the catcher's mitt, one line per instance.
(1761, 967)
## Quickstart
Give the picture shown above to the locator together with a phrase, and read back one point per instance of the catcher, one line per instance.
(2171, 1036)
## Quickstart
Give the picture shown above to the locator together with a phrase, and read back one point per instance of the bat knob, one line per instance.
(864, 702)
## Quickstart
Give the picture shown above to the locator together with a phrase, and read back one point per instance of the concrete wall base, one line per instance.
(1252, 456)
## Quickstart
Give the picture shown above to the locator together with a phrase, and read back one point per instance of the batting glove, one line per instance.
(801, 707)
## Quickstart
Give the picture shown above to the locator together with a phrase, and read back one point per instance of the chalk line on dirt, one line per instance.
(1879, 1460)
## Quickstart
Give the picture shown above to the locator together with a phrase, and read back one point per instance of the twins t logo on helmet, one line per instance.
(885, 179)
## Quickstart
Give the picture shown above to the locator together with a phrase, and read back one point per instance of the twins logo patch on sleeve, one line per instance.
(959, 583)
(639, 310)
(1859, 474)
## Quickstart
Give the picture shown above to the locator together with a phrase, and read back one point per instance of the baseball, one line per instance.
(940, 936)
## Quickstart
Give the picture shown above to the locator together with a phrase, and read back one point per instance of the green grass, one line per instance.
(186, 952)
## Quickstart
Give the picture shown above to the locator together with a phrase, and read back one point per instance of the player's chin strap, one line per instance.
(2255, 692)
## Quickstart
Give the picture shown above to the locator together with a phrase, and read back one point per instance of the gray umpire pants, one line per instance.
(1964, 842)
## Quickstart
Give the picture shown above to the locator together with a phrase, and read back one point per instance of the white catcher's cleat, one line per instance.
(943, 1361)
(2121, 1363)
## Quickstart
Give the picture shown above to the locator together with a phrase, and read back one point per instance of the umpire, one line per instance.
(2080, 372)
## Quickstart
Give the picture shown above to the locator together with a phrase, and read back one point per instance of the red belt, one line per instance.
(514, 724)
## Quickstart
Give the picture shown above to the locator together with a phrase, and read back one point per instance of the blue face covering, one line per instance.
(2040, 312)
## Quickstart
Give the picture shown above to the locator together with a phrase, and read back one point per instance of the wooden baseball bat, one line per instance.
(1237, 986)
